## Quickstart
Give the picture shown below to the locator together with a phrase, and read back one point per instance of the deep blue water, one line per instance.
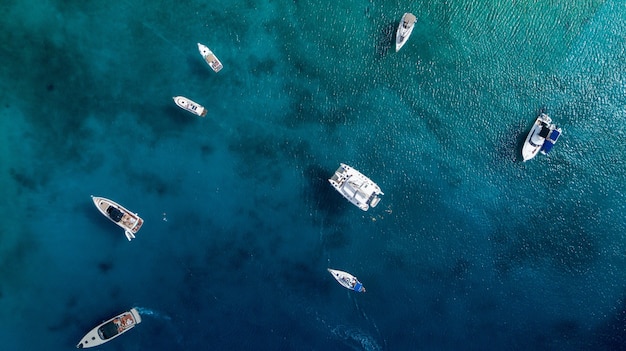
(470, 248)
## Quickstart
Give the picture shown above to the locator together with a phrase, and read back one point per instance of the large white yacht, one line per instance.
(357, 188)
(405, 29)
(130, 222)
(541, 138)
(210, 57)
(190, 105)
(110, 329)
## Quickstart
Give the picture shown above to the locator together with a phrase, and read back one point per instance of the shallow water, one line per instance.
(469, 249)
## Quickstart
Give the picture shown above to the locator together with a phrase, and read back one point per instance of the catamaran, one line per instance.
(357, 188)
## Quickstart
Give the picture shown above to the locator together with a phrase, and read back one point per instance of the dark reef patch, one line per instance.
(260, 151)
(461, 268)
(239, 257)
(570, 248)
(260, 67)
(150, 182)
(14, 257)
(395, 260)
(304, 107)
(55, 111)
(24, 181)
(337, 239)
(206, 149)
(611, 335)
(293, 272)
(105, 267)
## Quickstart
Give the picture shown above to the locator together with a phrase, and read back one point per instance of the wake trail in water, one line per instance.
(160, 316)
(355, 338)
(322, 242)
(148, 312)
(365, 317)
(157, 33)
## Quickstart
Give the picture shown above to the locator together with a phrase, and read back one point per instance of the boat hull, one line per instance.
(210, 58)
(405, 28)
(118, 214)
(190, 106)
(110, 329)
(347, 280)
(536, 137)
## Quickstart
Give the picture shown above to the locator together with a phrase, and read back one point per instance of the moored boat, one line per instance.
(356, 187)
(347, 280)
(130, 222)
(405, 28)
(190, 105)
(210, 57)
(110, 329)
(541, 138)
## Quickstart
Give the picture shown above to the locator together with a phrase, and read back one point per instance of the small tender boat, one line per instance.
(190, 106)
(357, 188)
(210, 57)
(110, 329)
(541, 138)
(405, 29)
(347, 280)
(130, 222)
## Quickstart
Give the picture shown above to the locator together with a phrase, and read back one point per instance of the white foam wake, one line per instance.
(148, 312)
(356, 338)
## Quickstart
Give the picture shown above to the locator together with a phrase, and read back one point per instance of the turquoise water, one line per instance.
(469, 249)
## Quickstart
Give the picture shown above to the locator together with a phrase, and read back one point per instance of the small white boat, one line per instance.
(347, 280)
(130, 222)
(357, 188)
(110, 329)
(405, 29)
(210, 57)
(190, 106)
(541, 138)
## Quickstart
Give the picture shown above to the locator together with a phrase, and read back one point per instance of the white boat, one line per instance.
(190, 105)
(405, 29)
(347, 280)
(541, 138)
(210, 57)
(357, 188)
(130, 222)
(110, 329)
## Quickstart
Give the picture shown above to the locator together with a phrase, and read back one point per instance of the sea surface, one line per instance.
(469, 249)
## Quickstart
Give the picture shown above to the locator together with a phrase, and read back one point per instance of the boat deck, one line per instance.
(409, 19)
(212, 60)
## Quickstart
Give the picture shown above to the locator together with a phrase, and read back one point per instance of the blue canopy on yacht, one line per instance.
(115, 214)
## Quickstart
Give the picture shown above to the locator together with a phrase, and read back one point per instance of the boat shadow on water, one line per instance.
(95, 218)
(386, 38)
(198, 67)
(519, 130)
(322, 195)
(179, 116)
